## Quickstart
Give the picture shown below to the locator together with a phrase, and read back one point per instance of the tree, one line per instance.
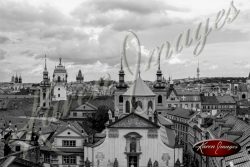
(100, 118)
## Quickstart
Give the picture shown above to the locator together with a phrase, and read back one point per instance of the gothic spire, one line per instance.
(198, 70)
(60, 61)
(121, 64)
(45, 62)
(159, 62)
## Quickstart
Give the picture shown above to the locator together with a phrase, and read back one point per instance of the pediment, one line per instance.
(86, 107)
(133, 120)
(68, 131)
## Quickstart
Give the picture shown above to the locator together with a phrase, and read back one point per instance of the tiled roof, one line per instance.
(243, 139)
(180, 112)
(139, 88)
(243, 87)
(225, 99)
(185, 92)
(217, 100)
(209, 100)
(164, 121)
(107, 101)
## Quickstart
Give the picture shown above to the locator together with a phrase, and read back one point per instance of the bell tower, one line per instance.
(121, 88)
(60, 82)
(45, 88)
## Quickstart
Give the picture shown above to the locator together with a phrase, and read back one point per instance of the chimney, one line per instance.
(155, 117)
(15, 128)
(110, 116)
(116, 115)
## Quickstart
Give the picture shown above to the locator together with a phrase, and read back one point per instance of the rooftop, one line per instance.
(183, 113)
(139, 88)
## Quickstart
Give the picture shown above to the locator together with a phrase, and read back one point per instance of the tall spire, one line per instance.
(198, 70)
(159, 62)
(159, 84)
(121, 84)
(121, 64)
(60, 61)
(45, 62)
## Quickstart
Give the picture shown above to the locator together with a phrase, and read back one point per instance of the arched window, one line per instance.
(127, 107)
(243, 96)
(138, 103)
(59, 79)
(150, 104)
(44, 95)
(159, 99)
(120, 99)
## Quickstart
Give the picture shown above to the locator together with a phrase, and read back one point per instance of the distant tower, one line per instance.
(159, 87)
(248, 79)
(198, 70)
(121, 84)
(248, 87)
(159, 83)
(16, 79)
(45, 88)
(13, 79)
(59, 81)
(79, 77)
(20, 79)
(121, 88)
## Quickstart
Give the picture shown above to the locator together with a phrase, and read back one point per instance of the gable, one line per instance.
(68, 132)
(133, 121)
(172, 94)
(86, 107)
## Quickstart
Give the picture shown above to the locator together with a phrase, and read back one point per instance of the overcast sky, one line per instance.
(89, 34)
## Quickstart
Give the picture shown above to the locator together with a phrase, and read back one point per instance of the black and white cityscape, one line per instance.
(124, 83)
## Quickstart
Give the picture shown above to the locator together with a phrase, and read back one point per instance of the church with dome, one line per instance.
(136, 135)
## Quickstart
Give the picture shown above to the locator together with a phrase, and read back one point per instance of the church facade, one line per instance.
(136, 136)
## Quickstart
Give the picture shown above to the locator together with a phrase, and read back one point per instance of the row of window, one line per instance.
(70, 159)
(184, 105)
(217, 106)
(83, 114)
(159, 99)
(68, 143)
(180, 127)
(176, 118)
